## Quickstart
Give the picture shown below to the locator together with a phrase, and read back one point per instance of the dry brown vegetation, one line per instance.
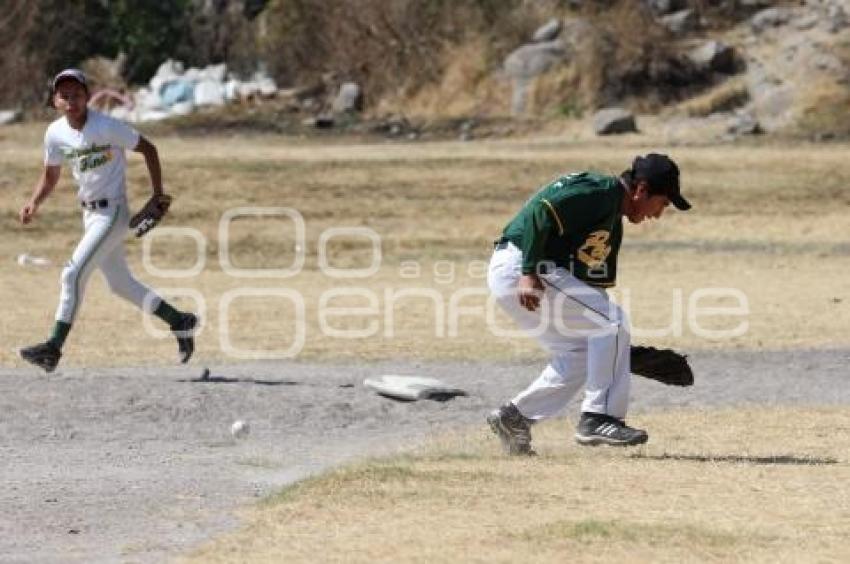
(770, 221)
(755, 485)
(724, 97)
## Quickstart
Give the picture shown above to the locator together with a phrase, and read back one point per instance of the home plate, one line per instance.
(412, 388)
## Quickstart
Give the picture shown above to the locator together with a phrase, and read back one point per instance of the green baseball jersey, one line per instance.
(574, 222)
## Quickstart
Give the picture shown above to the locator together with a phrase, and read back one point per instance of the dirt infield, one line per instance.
(137, 464)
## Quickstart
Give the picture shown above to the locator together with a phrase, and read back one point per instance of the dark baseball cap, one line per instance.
(70, 74)
(662, 175)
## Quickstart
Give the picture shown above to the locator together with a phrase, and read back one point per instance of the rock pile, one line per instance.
(176, 91)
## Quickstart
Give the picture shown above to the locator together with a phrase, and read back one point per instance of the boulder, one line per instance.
(769, 18)
(260, 86)
(714, 56)
(349, 99)
(664, 7)
(151, 115)
(806, 22)
(744, 123)
(609, 121)
(176, 91)
(231, 90)
(836, 17)
(10, 116)
(214, 73)
(681, 22)
(533, 59)
(183, 108)
(268, 87)
(527, 63)
(575, 31)
(323, 121)
(168, 71)
(547, 31)
(210, 93)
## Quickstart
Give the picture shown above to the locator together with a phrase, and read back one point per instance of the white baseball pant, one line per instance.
(102, 246)
(586, 334)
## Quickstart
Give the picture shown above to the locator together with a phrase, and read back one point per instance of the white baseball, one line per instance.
(239, 429)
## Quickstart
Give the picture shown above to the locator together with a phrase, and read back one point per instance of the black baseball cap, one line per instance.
(662, 175)
(70, 74)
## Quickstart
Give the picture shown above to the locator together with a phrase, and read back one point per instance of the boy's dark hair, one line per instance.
(661, 175)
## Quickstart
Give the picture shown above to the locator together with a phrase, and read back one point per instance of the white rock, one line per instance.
(348, 99)
(10, 116)
(167, 71)
(547, 31)
(533, 59)
(152, 115)
(209, 93)
(231, 90)
(216, 73)
(182, 108)
(268, 87)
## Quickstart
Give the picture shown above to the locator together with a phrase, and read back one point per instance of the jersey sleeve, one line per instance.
(53, 155)
(541, 220)
(122, 135)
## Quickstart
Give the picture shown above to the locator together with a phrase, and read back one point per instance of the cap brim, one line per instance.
(79, 78)
(680, 203)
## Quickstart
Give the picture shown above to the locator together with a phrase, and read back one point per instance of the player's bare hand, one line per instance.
(529, 290)
(27, 212)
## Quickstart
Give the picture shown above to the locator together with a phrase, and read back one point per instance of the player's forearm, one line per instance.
(152, 161)
(43, 189)
(40, 193)
(154, 170)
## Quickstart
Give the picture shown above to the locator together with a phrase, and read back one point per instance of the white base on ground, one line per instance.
(412, 388)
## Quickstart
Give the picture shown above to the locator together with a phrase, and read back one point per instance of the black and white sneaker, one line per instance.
(184, 332)
(513, 429)
(600, 429)
(44, 355)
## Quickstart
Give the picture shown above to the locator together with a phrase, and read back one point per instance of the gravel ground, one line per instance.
(138, 465)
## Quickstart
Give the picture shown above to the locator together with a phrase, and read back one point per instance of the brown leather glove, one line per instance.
(151, 214)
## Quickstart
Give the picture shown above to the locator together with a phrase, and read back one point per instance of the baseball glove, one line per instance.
(151, 214)
(664, 365)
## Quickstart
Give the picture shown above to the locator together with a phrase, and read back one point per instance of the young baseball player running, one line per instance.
(549, 271)
(94, 145)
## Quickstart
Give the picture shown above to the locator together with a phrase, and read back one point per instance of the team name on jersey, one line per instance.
(90, 157)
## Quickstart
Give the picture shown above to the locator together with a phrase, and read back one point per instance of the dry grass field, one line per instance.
(769, 229)
(724, 490)
(770, 221)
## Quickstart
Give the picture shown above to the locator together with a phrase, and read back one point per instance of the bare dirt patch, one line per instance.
(137, 464)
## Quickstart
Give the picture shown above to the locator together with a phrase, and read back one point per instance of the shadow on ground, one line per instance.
(780, 459)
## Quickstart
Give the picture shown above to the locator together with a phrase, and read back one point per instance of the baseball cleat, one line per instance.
(184, 332)
(44, 355)
(513, 430)
(600, 429)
